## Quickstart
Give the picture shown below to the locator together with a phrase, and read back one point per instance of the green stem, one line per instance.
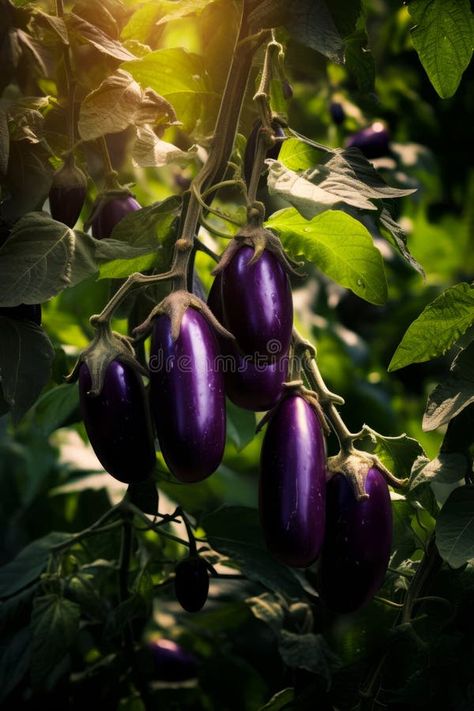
(96, 527)
(70, 85)
(111, 179)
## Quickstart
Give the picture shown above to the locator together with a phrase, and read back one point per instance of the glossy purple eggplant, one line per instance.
(336, 110)
(373, 141)
(251, 385)
(358, 541)
(257, 303)
(110, 214)
(293, 483)
(23, 312)
(191, 584)
(117, 422)
(251, 146)
(171, 662)
(67, 194)
(187, 396)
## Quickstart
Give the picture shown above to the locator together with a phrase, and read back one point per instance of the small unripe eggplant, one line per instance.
(336, 110)
(191, 584)
(187, 396)
(118, 423)
(172, 662)
(293, 482)
(257, 303)
(373, 141)
(110, 213)
(250, 385)
(67, 194)
(23, 312)
(358, 541)
(251, 147)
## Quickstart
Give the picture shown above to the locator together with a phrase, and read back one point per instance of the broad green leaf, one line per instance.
(360, 61)
(159, 12)
(337, 244)
(179, 77)
(443, 37)
(452, 395)
(35, 260)
(308, 651)
(149, 151)
(120, 102)
(444, 469)
(298, 155)
(268, 609)
(55, 408)
(240, 425)
(122, 268)
(437, 328)
(26, 356)
(397, 235)
(28, 565)
(397, 453)
(311, 23)
(235, 531)
(86, 32)
(455, 527)
(54, 627)
(15, 655)
(281, 701)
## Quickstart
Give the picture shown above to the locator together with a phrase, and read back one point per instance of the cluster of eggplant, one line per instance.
(192, 368)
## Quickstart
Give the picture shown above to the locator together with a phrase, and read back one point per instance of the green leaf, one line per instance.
(455, 393)
(150, 151)
(15, 654)
(337, 244)
(86, 32)
(397, 235)
(122, 268)
(54, 627)
(281, 701)
(29, 564)
(55, 408)
(241, 425)
(268, 609)
(180, 77)
(397, 453)
(26, 356)
(308, 651)
(455, 527)
(297, 154)
(158, 12)
(443, 37)
(235, 531)
(120, 102)
(35, 260)
(437, 328)
(312, 24)
(360, 61)
(444, 469)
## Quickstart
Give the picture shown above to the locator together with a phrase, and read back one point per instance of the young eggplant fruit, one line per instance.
(110, 213)
(373, 141)
(257, 303)
(358, 541)
(187, 396)
(293, 482)
(118, 423)
(191, 584)
(171, 662)
(67, 194)
(251, 385)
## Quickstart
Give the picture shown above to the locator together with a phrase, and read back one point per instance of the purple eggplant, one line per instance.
(373, 141)
(250, 148)
(67, 194)
(293, 483)
(336, 110)
(191, 584)
(187, 396)
(251, 385)
(171, 662)
(23, 312)
(358, 541)
(111, 212)
(117, 422)
(257, 303)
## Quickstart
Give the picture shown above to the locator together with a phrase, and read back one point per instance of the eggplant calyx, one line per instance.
(175, 306)
(105, 347)
(355, 465)
(296, 387)
(260, 239)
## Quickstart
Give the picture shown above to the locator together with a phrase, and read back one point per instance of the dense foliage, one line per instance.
(332, 139)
